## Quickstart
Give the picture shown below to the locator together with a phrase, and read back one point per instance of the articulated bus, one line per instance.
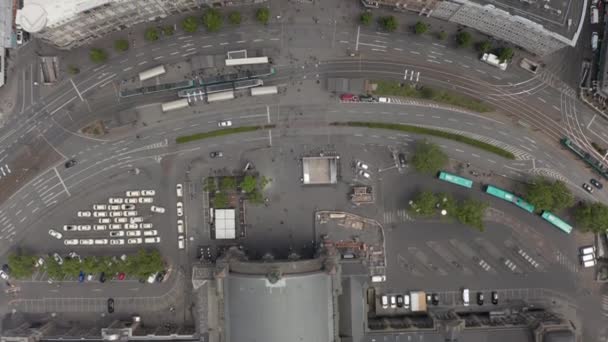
(448, 177)
(556, 221)
(509, 197)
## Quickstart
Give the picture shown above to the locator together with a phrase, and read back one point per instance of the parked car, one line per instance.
(100, 227)
(114, 207)
(146, 200)
(406, 301)
(348, 97)
(155, 239)
(75, 256)
(133, 193)
(127, 207)
(3, 275)
(595, 183)
(393, 302)
(586, 250)
(180, 226)
(130, 226)
(102, 277)
(132, 200)
(115, 200)
(588, 188)
(129, 213)
(494, 297)
(152, 232)
(57, 235)
(134, 241)
(101, 241)
(137, 219)
(70, 242)
(83, 227)
(181, 243)
(121, 220)
(179, 189)
(115, 226)
(83, 213)
(435, 299)
(361, 165)
(121, 276)
(58, 258)
(145, 225)
(148, 192)
(465, 297)
(86, 242)
(117, 242)
(134, 233)
(364, 174)
(385, 302)
(105, 220)
(152, 278)
(69, 228)
(81, 277)
(224, 123)
(479, 298)
(100, 214)
(180, 209)
(160, 277)
(100, 207)
(156, 209)
(216, 154)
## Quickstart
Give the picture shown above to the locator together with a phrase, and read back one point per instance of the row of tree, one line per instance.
(544, 194)
(141, 265)
(468, 211)
(212, 20)
(251, 187)
(463, 38)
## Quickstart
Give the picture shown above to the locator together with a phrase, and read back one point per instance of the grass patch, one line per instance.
(391, 88)
(433, 132)
(217, 133)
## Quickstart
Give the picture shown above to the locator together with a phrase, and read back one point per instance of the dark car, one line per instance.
(81, 277)
(6, 269)
(494, 297)
(479, 298)
(595, 183)
(367, 98)
(110, 305)
(160, 276)
(435, 299)
(70, 163)
(216, 154)
(400, 301)
(402, 160)
(588, 188)
(102, 277)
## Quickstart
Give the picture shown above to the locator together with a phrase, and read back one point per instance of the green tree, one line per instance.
(72, 69)
(464, 39)
(554, 196)
(420, 28)
(389, 23)
(484, 47)
(263, 15)
(91, 265)
(228, 183)
(447, 202)
(210, 185)
(428, 93)
(190, 24)
(592, 217)
(366, 18)
(442, 35)
(71, 267)
(424, 204)
(255, 197)
(470, 212)
(121, 45)
(264, 181)
(220, 200)
(428, 157)
(21, 266)
(53, 269)
(235, 18)
(249, 184)
(505, 54)
(169, 30)
(98, 55)
(212, 19)
(151, 34)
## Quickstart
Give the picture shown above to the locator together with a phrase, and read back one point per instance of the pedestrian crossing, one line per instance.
(397, 216)
(5, 171)
(548, 173)
(565, 262)
(605, 305)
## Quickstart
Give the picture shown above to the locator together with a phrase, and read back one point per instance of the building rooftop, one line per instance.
(38, 14)
(295, 308)
(551, 14)
(320, 170)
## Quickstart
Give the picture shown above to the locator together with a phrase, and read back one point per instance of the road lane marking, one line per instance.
(223, 43)
(258, 40)
(159, 57)
(142, 63)
(557, 109)
(77, 92)
(541, 100)
(374, 45)
(207, 46)
(415, 52)
(127, 69)
(62, 183)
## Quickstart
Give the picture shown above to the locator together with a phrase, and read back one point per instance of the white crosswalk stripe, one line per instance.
(397, 216)
(567, 263)
(605, 305)
(549, 173)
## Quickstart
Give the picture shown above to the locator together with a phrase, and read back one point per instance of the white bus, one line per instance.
(174, 105)
(264, 91)
(225, 95)
(246, 61)
(151, 73)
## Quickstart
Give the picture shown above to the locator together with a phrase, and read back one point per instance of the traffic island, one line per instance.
(432, 132)
(220, 132)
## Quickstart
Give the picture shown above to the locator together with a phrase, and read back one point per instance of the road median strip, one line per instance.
(220, 132)
(433, 132)
(392, 88)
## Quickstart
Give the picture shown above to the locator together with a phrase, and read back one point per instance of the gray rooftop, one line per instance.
(297, 308)
(6, 24)
(522, 334)
(552, 14)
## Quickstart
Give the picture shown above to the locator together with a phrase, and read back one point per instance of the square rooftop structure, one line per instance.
(320, 170)
(225, 223)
